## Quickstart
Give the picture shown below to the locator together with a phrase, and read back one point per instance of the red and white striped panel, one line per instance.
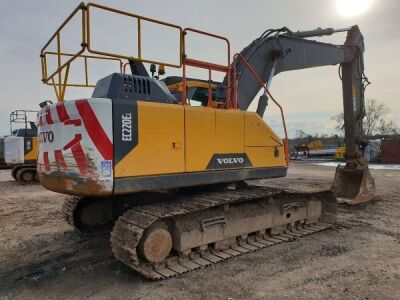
(75, 143)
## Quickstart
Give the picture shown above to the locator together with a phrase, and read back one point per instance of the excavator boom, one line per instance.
(282, 50)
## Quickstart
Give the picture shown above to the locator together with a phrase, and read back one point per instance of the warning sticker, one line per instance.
(106, 168)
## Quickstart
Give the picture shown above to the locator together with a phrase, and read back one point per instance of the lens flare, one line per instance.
(351, 8)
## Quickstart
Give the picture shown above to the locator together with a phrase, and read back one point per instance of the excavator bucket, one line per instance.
(353, 185)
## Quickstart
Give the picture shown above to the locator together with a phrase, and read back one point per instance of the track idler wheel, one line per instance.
(156, 244)
(353, 184)
(88, 215)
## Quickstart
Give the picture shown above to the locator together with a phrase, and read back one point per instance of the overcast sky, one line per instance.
(309, 97)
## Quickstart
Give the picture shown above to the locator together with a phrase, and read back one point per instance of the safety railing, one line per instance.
(240, 57)
(139, 20)
(56, 77)
(60, 85)
(205, 65)
(56, 37)
(86, 59)
(59, 77)
(21, 117)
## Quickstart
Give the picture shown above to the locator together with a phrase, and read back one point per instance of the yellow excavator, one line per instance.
(165, 162)
(21, 147)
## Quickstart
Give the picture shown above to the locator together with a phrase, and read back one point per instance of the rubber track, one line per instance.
(68, 208)
(130, 227)
(27, 168)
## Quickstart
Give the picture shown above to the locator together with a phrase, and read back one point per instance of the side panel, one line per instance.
(199, 137)
(262, 146)
(214, 149)
(258, 133)
(14, 150)
(160, 142)
(75, 147)
(229, 141)
(229, 131)
(262, 157)
(31, 149)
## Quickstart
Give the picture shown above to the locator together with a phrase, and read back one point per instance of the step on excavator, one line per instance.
(21, 147)
(165, 163)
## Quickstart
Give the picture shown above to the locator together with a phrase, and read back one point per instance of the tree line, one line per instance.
(376, 123)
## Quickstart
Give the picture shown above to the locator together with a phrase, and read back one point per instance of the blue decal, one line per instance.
(106, 168)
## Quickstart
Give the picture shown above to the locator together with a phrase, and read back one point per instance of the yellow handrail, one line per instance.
(85, 57)
(59, 77)
(57, 36)
(139, 34)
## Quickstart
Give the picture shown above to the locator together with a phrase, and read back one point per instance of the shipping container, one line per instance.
(2, 162)
(390, 151)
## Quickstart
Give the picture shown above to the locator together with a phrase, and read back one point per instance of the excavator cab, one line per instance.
(197, 91)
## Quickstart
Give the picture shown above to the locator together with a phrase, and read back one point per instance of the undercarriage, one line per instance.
(24, 173)
(175, 232)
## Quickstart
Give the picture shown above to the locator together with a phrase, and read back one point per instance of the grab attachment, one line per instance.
(353, 184)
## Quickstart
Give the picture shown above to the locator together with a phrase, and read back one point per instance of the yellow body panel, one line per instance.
(32, 155)
(161, 142)
(262, 143)
(258, 133)
(265, 156)
(229, 131)
(199, 137)
(175, 138)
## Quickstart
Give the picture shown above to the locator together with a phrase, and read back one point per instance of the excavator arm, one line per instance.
(281, 50)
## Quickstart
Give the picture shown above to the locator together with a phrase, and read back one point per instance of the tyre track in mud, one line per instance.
(35, 241)
(48, 255)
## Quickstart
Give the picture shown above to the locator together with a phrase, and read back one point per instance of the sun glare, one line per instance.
(351, 8)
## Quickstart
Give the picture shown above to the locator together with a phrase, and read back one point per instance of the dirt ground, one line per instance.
(42, 258)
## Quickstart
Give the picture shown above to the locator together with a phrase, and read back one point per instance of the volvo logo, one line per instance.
(230, 160)
(47, 136)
